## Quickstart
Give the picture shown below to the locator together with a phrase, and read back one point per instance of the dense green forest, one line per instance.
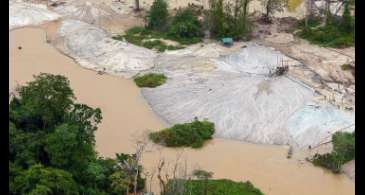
(52, 145)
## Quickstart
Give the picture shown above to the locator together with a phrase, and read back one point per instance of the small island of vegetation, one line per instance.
(150, 80)
(188, 134)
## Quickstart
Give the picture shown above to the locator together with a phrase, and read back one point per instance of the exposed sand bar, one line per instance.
(125, 115)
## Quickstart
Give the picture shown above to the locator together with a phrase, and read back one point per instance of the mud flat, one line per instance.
(126, 115)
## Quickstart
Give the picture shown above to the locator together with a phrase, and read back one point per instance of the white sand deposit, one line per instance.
(94, 48)
(99, 13)
(235, 92)
(24, 14)
(313, 124)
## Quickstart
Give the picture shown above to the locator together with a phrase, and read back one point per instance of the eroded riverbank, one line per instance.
(126, 115)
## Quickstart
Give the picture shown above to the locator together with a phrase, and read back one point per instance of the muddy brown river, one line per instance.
(126, 116)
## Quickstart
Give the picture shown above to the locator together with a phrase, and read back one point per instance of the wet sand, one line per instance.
(126, 116)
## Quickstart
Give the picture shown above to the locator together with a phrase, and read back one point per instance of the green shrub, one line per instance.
(158, 15)
(312, 22)
(228, 20)
(327, 36)
(150, 80)
(137, 30)
(331, 161)
(344, 145)
(185, 27)
(347, 23)
(334, 33)
(214, 187)
(343, 151)
(189, 134)
(146, 38)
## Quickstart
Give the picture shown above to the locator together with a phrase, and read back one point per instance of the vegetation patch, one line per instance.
(146, 38)
(230, 20)
(213, 187)
(158, 16)
(343, 151)
(328, 36)
(52, 145)
(188, 134)
(185, 27)
(150, 80)
(337, 33)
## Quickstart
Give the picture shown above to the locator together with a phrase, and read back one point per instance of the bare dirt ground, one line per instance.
(321, 68)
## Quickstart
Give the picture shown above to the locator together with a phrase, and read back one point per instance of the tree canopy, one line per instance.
(158, 14)
(52, 144)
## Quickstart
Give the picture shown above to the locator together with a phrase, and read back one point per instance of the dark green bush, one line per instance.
(214, 187)
(189, 134)
(344, 145)
(328, 36)
(146, 38)
(150, 80)
(338, 33)
(158, 15)
(343, 151)
(185, 27)
(228, 20)
(312, 22)
(347, 23)
(331, 161)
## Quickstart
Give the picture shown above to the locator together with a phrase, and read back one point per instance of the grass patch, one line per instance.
(212, 187)
(333, 34)
(328, 36)
(188, 134)
(146, 38)
(343, 151)
(150, 80)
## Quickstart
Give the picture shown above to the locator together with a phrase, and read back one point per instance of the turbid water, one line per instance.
(126, 116)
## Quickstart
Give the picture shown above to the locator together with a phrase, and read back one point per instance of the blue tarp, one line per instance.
(227, 41)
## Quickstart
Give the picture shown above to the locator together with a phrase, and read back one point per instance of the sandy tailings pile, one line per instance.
(23, 14)
(103, 14)
(235, 92)
(93, 48)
